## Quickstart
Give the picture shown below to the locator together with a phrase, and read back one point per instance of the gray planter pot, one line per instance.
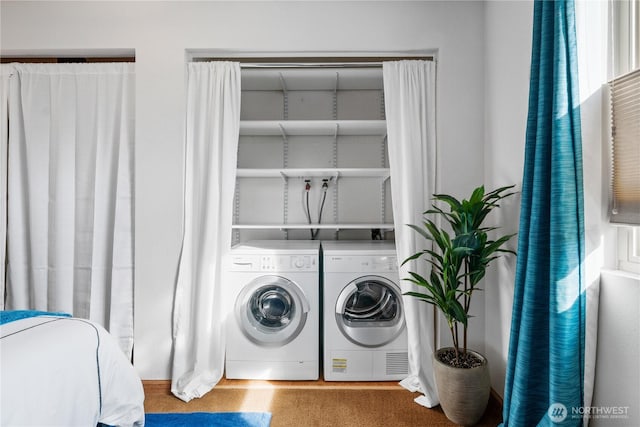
(464, 393)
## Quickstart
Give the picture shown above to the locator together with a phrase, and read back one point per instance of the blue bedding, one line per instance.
(7, 316)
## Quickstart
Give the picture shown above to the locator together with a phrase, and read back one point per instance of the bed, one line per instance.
(57, 370)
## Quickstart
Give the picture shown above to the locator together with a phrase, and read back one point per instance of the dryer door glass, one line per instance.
(371, 301)
(369, 311)
(271, 310)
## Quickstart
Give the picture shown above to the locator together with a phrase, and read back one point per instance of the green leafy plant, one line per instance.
(458, 259)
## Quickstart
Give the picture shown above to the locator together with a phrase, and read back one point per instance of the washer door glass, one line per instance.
(369, 311)
(271, 310)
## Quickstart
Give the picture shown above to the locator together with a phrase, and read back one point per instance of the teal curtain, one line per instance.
(545, 369)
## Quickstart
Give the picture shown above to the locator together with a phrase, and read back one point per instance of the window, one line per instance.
(625, 148)
(629, 249)
(625, 23)
(625, 131)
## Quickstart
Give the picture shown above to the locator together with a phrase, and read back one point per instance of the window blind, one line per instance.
(625, 137)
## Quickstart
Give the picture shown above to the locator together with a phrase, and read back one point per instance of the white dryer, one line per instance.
(274, 321)
(365, 337)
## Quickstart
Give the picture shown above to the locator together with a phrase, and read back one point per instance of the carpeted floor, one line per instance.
(313, 403)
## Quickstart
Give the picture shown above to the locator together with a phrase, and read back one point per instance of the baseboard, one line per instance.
(496, 398)
(157, 386)
(495, 404)
(164, 386)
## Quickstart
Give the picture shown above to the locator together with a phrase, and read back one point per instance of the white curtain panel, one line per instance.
(211, 149)
(409, 92)
(70, 185)
(6, 70)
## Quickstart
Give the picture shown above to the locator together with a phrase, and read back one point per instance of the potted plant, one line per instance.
(458, 260)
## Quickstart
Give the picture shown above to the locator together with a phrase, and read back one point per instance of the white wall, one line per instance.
(508, 56)
(617, 372)
(162, 34)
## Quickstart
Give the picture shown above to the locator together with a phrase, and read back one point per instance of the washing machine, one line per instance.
(274, 320)
(365, 338)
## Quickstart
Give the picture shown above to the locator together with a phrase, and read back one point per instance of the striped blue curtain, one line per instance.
(545, 370)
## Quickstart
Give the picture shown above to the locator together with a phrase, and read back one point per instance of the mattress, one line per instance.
(66, 371)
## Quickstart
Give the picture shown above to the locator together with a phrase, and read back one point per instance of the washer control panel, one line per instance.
(274, 263)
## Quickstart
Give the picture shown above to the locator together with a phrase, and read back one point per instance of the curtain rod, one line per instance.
(315, 62)
(64, 60)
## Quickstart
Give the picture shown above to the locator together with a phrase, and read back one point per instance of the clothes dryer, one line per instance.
(273, 324)
(365, 337)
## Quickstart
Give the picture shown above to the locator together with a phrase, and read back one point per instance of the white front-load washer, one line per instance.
(365, 338)
(273, 325)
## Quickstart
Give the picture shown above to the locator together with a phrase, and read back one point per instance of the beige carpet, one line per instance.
(313, 403)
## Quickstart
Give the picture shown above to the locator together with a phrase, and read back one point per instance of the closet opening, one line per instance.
(313, 156)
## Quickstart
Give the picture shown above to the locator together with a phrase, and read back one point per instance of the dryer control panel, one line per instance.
(274, 263)
(348, 263)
